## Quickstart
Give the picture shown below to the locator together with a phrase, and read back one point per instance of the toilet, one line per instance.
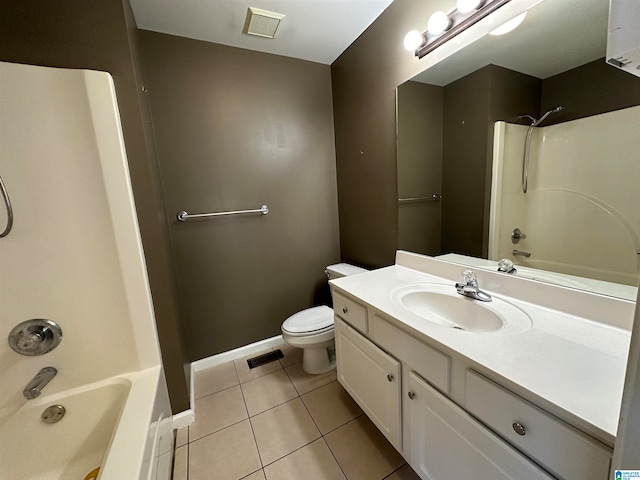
(312, 329)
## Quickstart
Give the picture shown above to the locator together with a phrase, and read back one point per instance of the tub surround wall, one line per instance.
(236, 129)
(580, 213)
(74, 34)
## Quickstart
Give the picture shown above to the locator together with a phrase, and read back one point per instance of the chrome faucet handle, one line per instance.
(506, 265)
(469, 277)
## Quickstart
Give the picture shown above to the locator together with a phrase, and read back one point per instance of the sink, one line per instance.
(441, 305)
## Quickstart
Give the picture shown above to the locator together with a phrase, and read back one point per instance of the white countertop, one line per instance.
(571, 361)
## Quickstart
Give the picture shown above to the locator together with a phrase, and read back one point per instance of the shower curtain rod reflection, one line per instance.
(184, 216)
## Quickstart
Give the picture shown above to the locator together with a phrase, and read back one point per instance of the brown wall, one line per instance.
(97, 36)
(420, 111)
(236, 129)
(364, 80)
(590, 89)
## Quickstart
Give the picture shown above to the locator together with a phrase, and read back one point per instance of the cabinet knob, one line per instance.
(345, 309)
(519, 428)
(411, 395)
(389, 377)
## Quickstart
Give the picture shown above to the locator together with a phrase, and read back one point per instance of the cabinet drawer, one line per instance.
(562, 449)
(426, 361)
(351, 312)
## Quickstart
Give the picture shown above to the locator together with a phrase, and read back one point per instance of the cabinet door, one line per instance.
(447, 443)
(372, 378)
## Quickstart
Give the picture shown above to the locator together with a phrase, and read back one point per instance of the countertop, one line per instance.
(571, 361)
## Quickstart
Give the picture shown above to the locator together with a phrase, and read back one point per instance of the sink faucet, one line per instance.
(35, 386)
(470, 287)
(505, 265)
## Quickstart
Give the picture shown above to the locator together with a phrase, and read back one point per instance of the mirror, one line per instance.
(461, 142)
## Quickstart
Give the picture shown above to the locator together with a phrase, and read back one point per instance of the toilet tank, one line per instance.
(342, 270)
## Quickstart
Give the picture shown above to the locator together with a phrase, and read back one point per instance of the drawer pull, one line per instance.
(345, 309)
(389, 377)
(411, 395)
(519, 428)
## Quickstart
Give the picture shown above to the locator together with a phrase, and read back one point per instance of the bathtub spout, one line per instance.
(35, 386)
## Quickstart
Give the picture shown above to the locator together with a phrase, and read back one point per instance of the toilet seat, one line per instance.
(311, 321)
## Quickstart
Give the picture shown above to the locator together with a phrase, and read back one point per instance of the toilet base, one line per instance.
(318, 360)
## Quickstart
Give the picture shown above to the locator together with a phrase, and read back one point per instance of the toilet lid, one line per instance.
(309, 320)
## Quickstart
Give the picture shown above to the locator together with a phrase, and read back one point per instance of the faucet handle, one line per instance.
(469, 277)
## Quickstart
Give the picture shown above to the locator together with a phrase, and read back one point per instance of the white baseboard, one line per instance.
(184, 419)
(225, 357)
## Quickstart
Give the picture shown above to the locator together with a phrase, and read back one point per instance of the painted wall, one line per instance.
(74, 255)
(98, 36)
(580, 212)
(420, 112)
(236, 129)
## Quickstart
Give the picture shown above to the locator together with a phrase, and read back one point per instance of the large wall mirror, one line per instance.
(569, 212)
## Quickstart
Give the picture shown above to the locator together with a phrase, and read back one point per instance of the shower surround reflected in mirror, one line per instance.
(446, 118)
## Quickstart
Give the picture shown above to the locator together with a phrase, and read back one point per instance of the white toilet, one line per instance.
(312, 329)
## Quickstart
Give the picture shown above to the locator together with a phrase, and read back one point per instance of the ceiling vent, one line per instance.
(262, 23)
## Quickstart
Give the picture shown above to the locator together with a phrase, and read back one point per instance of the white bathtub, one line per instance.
(117, 424)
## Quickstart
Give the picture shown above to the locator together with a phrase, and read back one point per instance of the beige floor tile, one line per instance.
(246, 374)
(214, 379)
(182, 436)
(291, 355)
(306, 382)
(217, 411)
(331, 407)
(259, 475)
(362, 451)
(282, 430)
(267, 392)
(313, 462)
(404, 473)
(229, 454)
(181, 457)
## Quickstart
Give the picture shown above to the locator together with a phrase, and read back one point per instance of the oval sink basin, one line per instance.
(442, 305)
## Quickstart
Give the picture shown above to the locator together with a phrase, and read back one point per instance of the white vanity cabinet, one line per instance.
(446, 442)
(372, 378)
(457, 423)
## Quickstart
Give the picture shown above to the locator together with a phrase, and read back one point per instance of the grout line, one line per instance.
(255, 440)
(400, 467)
(335, 458)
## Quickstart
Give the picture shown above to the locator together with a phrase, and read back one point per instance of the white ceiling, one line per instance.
(314, 30)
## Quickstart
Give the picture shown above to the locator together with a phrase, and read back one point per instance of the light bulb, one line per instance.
(466, 6)
(438, 23)
(413, 40)
(508, 26)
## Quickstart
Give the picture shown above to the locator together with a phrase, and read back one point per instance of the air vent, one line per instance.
(262, 23)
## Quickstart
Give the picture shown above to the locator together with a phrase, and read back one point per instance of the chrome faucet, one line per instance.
(470, 287)
(35, 386)
(505, 265)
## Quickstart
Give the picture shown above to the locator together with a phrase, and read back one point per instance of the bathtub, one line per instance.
(117, 424)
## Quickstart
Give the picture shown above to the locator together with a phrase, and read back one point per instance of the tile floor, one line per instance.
(275, 422)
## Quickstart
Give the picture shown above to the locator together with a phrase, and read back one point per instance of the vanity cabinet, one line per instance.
(457, 423)
(446, 442)
(372, 378)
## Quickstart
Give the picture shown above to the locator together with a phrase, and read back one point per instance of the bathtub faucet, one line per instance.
(35, 386)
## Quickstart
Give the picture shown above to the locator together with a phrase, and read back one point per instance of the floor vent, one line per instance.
(265, 358)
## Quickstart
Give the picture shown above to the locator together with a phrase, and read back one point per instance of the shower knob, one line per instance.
(35, 337)
(517, 235)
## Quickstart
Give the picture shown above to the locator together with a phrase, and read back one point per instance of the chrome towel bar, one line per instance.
(184, 216)
(433, 198)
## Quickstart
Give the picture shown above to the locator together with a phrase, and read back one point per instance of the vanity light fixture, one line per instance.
(442, 27)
